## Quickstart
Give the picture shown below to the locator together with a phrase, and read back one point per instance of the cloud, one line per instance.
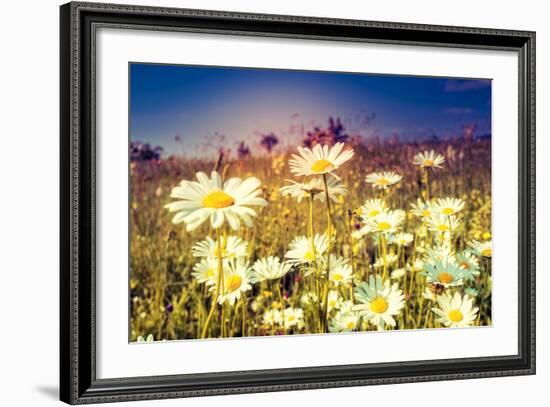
(457, 110)
(465, 85)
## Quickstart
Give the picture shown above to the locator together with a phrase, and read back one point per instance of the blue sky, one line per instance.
(197, 103)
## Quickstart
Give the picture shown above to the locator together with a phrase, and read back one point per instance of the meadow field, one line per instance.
(403, 244)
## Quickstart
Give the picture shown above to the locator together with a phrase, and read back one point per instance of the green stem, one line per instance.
(219, 286)
(384, 255)
(329, 249)
(282, 305)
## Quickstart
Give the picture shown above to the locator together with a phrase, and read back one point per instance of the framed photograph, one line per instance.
(256, 203)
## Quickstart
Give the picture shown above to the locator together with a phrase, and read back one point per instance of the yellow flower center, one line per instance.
(291, 318)
(332, 303)
(428, 163)
(445, 277)
(379, 305)
(234, 283)
(465, 265)
(455, 315)
(383, 226)
(426, 213)
(309, 256)
(487, 252)
(210, 273)
(321, 165)
(447, 211)
(337, 277)
(217, 200)
(350, 325)
(443, 228)
(373, 213)
(383, 182)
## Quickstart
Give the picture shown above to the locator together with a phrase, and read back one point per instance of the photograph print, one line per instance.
(269, 202)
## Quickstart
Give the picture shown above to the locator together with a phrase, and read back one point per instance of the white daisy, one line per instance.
(444, 253)
(469, 265)
(319, 160)
(448, 274)
(270, 268)
(448, 206)
(422, 209)
(443, 224)
(344, 322)
(301, 250)
(149, 339)
(418, 265)
(340, 270)
(379, 301)
(372, 208)
(211, 199)
(428, 159)
(402, 239)
(272, 317)
(237, 277)
(484, 249)
(391, 258)
(382, 180)
(316, 188)
(456, 311)
(387, 222)
(398, 273)
(231, 247)
(333, 300)
(206, 271)
(293, 317)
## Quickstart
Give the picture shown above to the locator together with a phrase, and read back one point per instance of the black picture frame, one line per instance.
(78, 382)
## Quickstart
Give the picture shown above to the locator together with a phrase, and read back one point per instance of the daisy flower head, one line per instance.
(316, 188)
(402, 239)
(272, 317)
(391, 258)
(444, 253)
(428, 159)
(340, 270)
(379, 301)
(448, 274)
(382, 180)
(206, 271)
(398, 273)
(149, 339)
(387, 222)
(319, 160)
(293, 317)
(372, 208)
(455, 311)
(231, 247)
(237, 279)
(469, 265)
(344, 322)
(210, 199)
(484, 249)
(417, 265)
(448, 206)
(302, 252)
(334, 300)
(270, 268)
(422, 209)
(442, 223)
